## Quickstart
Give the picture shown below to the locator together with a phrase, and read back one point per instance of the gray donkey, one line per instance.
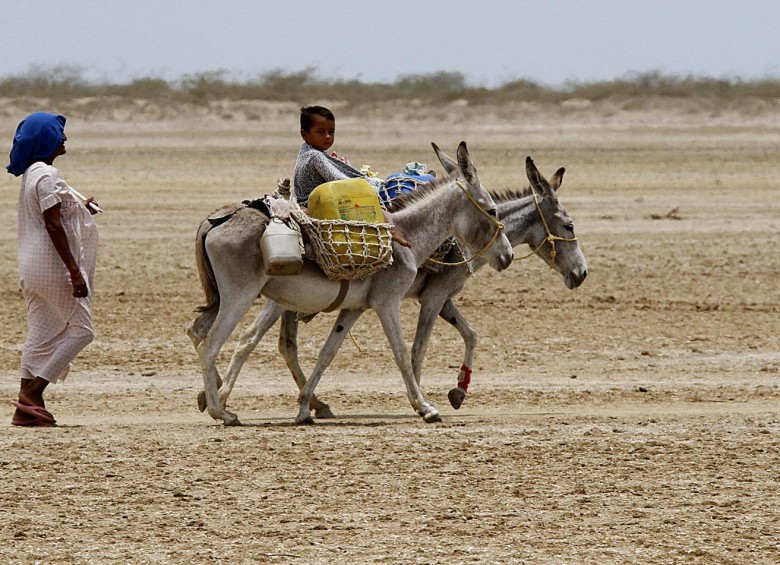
(233, 275)
(534, 217)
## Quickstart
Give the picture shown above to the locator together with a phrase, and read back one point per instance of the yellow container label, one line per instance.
(349, 199)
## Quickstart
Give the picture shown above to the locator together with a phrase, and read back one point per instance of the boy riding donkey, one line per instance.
(315, 167)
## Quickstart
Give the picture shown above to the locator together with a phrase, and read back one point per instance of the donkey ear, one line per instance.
(466, 166)
(450, 165)
(557, 179)
(535, 177)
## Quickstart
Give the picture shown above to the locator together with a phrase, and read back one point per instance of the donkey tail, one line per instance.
(207, 280)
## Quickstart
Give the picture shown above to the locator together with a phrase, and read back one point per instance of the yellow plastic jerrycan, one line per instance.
(348, 199)
(353, 200)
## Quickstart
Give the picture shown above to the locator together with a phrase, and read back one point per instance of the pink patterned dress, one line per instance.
(59, 324)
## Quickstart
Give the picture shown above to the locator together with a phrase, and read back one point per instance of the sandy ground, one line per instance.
(634, 420)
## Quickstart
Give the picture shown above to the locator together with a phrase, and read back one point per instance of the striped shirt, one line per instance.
(314, 167)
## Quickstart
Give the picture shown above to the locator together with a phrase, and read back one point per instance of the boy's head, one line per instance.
(318, 127)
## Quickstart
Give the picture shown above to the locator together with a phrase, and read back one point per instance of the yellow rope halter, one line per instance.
(551, 239)
(498, 225)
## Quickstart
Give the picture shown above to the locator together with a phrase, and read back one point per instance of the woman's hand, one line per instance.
(92, 209)
(80, 288)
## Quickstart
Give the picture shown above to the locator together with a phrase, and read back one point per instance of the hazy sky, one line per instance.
(489, 41)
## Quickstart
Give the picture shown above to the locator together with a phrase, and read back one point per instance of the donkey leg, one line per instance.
(230, 313)
(247, 342)
(430, 307)
(344, 323)
(288, 347)
(451, 313)
(390, 316)
(197, 330)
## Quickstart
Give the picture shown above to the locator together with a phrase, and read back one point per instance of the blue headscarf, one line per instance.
(37, 136)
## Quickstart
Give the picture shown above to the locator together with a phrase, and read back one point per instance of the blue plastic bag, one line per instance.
(399, 184)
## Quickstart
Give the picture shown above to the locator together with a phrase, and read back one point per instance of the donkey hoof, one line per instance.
(307, 421)
(202, 401)
(431, 417)
(233, 422)
(323, 412)
(456, 397)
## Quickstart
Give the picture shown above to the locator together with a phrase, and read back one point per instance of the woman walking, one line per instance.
(58, 243)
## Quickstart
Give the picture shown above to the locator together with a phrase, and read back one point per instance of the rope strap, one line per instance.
(498, 225)
(343, 289)
(551, 239)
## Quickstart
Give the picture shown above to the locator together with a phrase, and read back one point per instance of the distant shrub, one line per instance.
(55, 83)
(149, 88)
(521, 90)
(65, 83)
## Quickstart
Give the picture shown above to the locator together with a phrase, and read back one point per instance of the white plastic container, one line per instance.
(281, 250)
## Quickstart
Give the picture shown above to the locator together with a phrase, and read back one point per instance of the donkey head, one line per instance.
(476, 224)
(553, 236)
